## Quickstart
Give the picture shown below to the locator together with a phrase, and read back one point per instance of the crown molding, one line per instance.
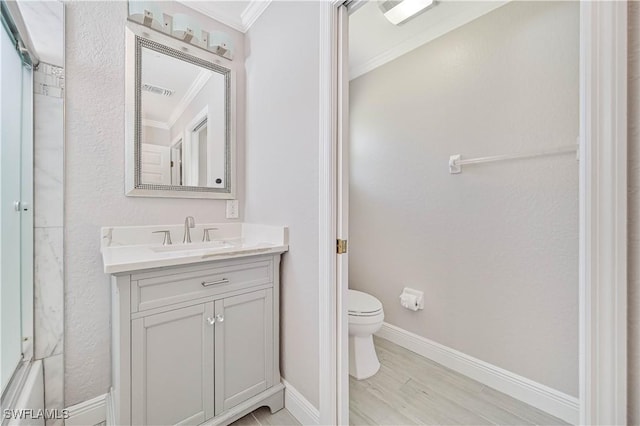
(198, 83)
(252, 12)
(155, 123)
(240, 23)
(228, 19)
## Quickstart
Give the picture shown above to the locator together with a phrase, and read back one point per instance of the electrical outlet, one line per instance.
(232, 209)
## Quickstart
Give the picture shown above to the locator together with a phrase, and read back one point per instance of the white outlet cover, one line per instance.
(232, 209)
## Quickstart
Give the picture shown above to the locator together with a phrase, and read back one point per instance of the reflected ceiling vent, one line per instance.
(400, 11)
(157, 90)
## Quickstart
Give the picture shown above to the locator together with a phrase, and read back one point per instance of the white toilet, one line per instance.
(365, 318)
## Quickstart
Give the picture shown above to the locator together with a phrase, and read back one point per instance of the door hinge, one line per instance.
(171, 163)
(342, 246)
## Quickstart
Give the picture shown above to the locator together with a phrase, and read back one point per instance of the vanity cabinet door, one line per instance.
(243, 347)
(172, 367)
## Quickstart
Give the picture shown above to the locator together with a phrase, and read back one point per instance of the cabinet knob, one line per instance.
(219, 318)
(211, 321)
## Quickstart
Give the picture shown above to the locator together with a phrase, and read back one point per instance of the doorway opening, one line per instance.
(602, 214)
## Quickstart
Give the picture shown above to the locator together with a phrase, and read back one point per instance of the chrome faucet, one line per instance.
(189, 222)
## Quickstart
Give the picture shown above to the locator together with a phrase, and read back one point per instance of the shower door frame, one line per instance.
(602, 212)
(14, 26)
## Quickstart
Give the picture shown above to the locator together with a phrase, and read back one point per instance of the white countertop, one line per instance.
(134, 248)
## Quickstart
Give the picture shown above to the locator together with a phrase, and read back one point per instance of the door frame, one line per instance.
(191, 149)
(176, 172)
(602, 217)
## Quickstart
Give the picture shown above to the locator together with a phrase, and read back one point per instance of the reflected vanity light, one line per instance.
(399, 12)
(180, 26)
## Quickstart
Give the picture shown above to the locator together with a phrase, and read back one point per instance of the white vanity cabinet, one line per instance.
(172, 367)
(196, 344)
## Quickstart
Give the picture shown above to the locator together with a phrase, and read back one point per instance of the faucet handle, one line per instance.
(205, 236)
(167, 237)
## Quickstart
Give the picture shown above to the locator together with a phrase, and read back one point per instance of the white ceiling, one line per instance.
(238, 14)
(374, 41)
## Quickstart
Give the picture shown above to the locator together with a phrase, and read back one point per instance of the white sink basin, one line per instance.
(135, 248)
(209, 245)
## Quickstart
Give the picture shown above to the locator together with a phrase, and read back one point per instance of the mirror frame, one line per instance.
(138, 37)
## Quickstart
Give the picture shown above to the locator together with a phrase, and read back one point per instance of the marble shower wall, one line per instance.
(45, 22)
(49, 230)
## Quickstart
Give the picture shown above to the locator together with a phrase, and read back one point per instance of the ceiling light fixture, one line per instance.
(398, 12)
(180, 26)
(146, 13)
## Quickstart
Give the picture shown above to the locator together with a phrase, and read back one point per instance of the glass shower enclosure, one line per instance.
(16, 194)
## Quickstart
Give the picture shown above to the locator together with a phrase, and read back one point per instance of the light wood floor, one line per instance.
(412, 390)
(263, 416)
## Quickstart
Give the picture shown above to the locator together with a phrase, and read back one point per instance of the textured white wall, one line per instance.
(495, 249)
(634, 213)
(94, 188)
(282, 169)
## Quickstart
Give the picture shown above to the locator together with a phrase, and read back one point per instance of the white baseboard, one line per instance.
(98, 409)
(88, 413)
(549, 400)
(110, 409)
(299, 406)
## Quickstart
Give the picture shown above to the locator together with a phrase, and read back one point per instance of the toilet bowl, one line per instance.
(365, 318)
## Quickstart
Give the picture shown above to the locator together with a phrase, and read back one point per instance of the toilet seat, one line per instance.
(362, 304)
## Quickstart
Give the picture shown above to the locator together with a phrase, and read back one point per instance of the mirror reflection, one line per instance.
(183, 122)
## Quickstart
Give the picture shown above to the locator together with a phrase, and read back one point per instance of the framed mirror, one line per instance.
(180, 120)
